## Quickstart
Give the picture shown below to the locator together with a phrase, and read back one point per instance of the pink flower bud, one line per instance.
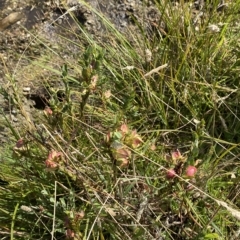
(122, 163)
(176, 155)
(54, 155)
(153, 147)
(133, 139)
(53, 159)
(171, 173)
(124, 128)
(19, 143)
(120, 153)
(191, 171)
(51, 164)
(70, 234)
(48, 111)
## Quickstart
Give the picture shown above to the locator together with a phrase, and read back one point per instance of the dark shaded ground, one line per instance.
(2, 4)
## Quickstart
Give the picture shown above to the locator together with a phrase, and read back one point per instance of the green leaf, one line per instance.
(211, 236)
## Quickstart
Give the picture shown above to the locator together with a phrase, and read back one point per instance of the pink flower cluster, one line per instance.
(53, 159)
(179, 162)
(122, 141)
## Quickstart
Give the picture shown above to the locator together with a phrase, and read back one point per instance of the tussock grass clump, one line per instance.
(138, 138)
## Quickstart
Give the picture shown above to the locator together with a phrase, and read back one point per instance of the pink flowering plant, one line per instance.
(53, 160)
(121, 141)
(178, 163)
(163, 78)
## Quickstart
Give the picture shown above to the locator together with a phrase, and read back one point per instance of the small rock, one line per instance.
(72, 3)
(13, 118)
(26, 89)
(14, 112)
(214, 28)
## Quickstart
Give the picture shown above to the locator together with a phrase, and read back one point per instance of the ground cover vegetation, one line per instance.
(138, 137)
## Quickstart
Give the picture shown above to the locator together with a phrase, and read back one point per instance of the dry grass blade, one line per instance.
(235, 213)
(156, 70)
